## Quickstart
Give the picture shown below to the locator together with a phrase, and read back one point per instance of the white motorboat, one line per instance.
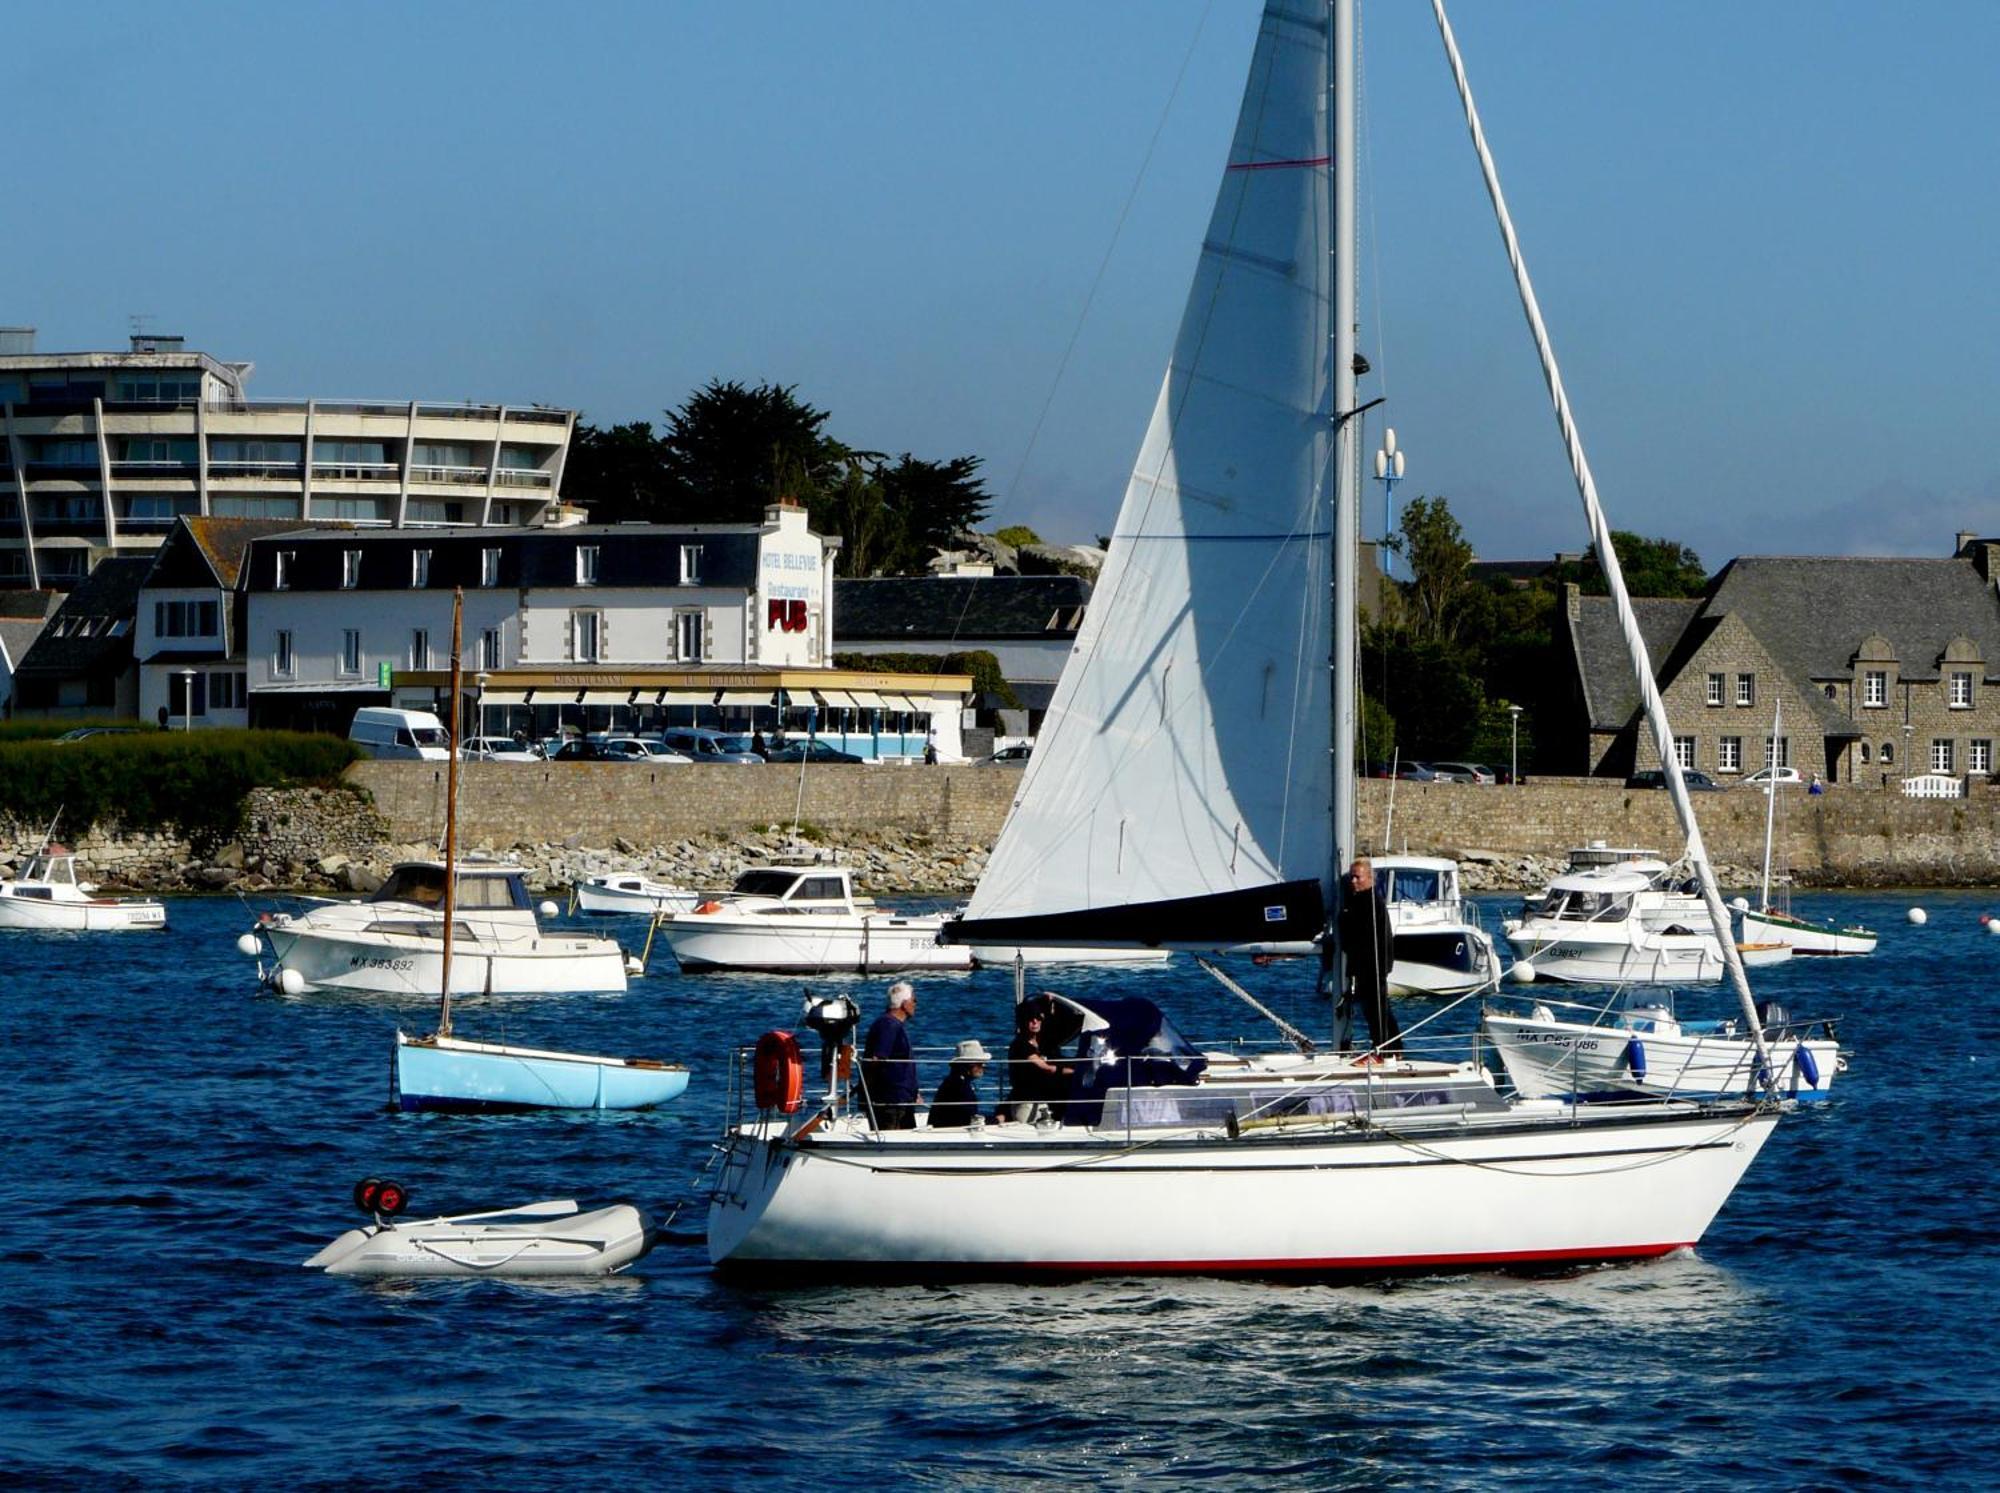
(1193, 787)
(393, 943)
(630, 894)
(544, 1240)
(1642, 1049)
(1439, 947)
(1590, 929)
(47, 895)
(805, 919)
(1004, 957)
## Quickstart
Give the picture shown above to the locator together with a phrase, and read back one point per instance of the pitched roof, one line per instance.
(39, 605)
(1814, 611)
(85, 636)
(949, 608)
(1610, 693)
(206, 551)
(18, 634)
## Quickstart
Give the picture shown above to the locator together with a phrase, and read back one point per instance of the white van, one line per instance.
(405, 735)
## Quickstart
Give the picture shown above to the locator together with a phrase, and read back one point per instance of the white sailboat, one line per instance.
(1193, 786)
(1767, 923)
(442, 1071)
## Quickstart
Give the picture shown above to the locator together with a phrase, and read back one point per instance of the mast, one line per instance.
(451, 810)
(1607, 555)
(1346, 520)
(1771, 804)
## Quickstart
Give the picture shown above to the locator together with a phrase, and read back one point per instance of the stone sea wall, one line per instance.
(918, 829)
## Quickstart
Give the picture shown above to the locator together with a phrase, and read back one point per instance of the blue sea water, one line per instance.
(178, 1141)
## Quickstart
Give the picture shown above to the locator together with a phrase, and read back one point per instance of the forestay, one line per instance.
(1178, 793)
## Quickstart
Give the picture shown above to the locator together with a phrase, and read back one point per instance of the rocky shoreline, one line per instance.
(332, 840)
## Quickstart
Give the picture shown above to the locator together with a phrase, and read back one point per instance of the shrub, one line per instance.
(191, 782)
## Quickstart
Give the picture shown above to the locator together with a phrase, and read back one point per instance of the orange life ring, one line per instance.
(709, 906)
(779, 1073)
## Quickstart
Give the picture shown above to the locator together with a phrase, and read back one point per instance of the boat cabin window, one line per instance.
(1587, 907)
(424, 885)
(820, 889)
(60, 870)
(765, 883)
(1409, 884)
(45, 894)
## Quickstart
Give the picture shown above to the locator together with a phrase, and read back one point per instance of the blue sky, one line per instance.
(1763, 235)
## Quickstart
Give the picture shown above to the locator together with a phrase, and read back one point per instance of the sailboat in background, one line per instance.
(1193, 787)
(1766, 923)
(444, 1072)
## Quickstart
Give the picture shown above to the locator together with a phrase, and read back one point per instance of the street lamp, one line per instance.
(1514, 711)
(1388, 472)
(187, 699)
(479, 700)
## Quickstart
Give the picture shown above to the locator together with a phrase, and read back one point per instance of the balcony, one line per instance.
(526, 477)
(130, 471)
(61, 471)
(356, 471)
(281, 470)
(472, 475)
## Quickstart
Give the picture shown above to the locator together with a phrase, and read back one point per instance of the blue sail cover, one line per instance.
(1138, 1040)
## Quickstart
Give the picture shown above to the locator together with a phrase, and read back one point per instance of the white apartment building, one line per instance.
(105, 450)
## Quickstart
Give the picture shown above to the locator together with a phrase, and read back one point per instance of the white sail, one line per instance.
(1153, 810)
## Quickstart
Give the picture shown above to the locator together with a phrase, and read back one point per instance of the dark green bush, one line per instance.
(191, 782)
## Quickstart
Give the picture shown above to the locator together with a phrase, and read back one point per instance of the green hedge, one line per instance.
(978, 662)
(192, 782)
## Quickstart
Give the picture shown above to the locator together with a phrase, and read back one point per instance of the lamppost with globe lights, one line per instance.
(1388, 472)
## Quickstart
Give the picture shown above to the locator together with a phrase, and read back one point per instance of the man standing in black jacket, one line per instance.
(1367, 942)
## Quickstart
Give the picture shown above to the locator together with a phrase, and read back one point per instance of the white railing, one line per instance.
(429, 473)
(1934, 785)
(357, 471)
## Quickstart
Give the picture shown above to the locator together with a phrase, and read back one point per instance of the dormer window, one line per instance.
(1961, 689)
(282, 577)
(586, 564)
(489, 567)
(350, 569)
(1875, 689)
(420, 569)
(690, 565)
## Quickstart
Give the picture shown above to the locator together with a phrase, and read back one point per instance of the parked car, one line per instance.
(801, 750)
(82, 732)
(1013, 756)
(611, 749)
(499, 749)
(1775, 775)
(1464, 772)
(1696, 780)
(700, 744)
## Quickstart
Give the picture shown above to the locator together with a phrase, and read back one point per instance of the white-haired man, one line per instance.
(888, 1068)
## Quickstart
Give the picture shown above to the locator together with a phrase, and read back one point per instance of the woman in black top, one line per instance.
(1033, 1077)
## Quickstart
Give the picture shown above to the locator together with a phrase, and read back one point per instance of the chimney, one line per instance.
(16, 341)
(1959, 542)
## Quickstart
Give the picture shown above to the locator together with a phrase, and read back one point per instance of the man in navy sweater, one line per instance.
(888, 1069)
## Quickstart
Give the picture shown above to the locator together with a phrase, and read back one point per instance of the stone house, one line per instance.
(1885, 667)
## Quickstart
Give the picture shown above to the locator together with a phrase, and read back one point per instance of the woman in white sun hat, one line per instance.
(956, 1102)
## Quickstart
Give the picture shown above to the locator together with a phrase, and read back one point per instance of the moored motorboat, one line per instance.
(1590, 929)
(1642, 1049)
(1439, 947)
(628, 893)
(805, 919)
(393, 942)
(49, 896)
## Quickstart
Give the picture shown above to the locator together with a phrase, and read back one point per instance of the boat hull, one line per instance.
(97, 915)
(1442, 961)
(1807, 938)
(1570, 1060)
(1357, 1200)
(453, 1075)
(810, 945)
(1662, 959)
(398, 965)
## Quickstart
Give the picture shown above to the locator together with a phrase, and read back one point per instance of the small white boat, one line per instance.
(393, 943)
(549, 1239)
(805, 919)
(1764, 955)
(1645, 1051)
(628, 893)
(1439, 947)
(1590, 929)
(48, 895)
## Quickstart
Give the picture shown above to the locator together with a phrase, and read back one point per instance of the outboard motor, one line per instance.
(1772, 1016)
(835, 1019)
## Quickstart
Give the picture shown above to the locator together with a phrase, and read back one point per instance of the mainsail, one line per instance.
(1179, 790)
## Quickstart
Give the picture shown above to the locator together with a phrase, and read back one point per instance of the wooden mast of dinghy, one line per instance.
(451, 810)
